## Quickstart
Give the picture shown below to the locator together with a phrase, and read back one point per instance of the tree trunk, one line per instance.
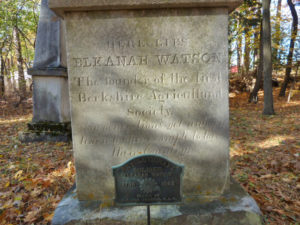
(247, 53)
(277, 30)
(267, 59)
(21, 78)
(239, 49)
(291, 50)
(238, 57)
(2, 85)
(256, 50)
(257, 41)
(294, 83)
(253, 96)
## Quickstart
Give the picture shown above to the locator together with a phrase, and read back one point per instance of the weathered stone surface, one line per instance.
(49, 50)
(50, 89)
(53, 71)
(51, 107)
(149, 82)
(46, 131)
(51, 99)
(59, 6)
(44, 136)
(50, 126)
(234, 207)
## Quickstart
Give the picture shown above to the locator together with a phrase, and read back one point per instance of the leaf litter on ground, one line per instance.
(265, 155)
(264, 160)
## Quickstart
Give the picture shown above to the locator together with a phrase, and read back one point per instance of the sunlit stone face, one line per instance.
(149, 82)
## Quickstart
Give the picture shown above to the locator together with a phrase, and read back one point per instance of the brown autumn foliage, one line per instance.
(265, 153)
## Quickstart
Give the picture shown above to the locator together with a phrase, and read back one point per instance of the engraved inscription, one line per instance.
(149, 112)
(193, 94)
(122, 153)
(105, 97)
(139, 60)
(144, 83)
(110, 61)
(170, 78)
(156, 43)
(191, 130)
(195, 58)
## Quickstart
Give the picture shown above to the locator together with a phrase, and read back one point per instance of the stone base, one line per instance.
(235, 207)
(26, 137)
(50, 96)
(46, 131)
(48, 71)
(64, 127)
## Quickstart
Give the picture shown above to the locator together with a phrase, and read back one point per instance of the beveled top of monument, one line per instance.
(61, 6)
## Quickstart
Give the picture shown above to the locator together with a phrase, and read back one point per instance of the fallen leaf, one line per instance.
(48, 217)
(266, 176)
(31, 216)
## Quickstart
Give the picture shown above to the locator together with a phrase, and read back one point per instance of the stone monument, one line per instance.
(51, 108)
(150, 77)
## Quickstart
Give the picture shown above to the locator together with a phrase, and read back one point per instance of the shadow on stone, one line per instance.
(234, 207)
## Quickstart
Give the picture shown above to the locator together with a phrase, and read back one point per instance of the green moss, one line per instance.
(50, 126)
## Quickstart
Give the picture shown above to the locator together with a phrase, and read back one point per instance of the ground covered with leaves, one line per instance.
(264, 160)
(265, 154)
(34, 176)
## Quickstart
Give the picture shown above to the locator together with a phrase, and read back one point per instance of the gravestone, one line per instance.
(51, 108)
(148, 77)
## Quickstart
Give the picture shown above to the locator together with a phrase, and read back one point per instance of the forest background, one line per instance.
(264, 149)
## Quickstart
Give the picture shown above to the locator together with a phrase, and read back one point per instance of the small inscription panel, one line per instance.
(148, 179)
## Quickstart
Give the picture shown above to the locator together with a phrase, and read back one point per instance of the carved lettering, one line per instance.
(193, 94)
(139, 60)
(123, 153)
(188, 58)
(155, 43)
(110, 61)
(203, 135)
(149, 112)
(106, 97)
(109, 81)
